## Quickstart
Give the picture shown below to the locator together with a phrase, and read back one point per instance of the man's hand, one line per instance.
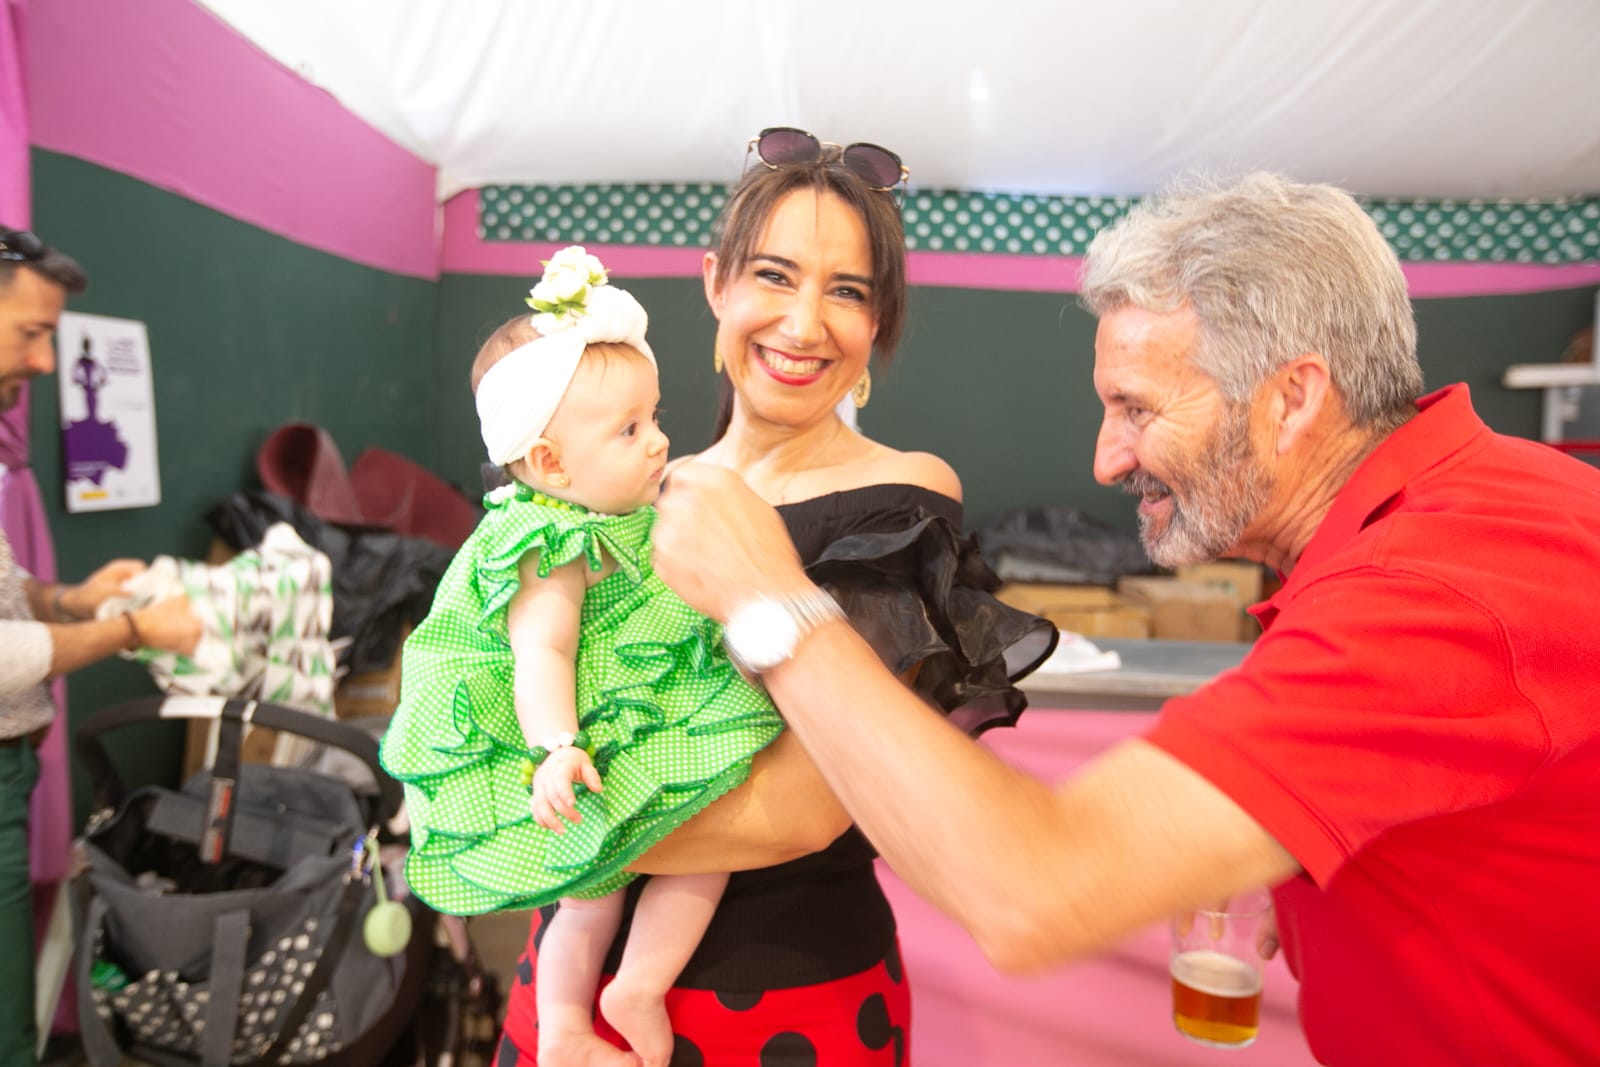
(168, 625)
(718, 545)
(81, 601)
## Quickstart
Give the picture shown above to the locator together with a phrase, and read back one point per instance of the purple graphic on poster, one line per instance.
(92, 446)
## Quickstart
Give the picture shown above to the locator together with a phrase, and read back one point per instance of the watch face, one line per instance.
(760, 635)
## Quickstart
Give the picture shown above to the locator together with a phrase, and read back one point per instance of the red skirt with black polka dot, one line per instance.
(861, 1020)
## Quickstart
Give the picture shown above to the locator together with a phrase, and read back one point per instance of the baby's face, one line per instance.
(610, 444)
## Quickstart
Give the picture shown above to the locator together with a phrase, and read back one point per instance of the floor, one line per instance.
(499, 940)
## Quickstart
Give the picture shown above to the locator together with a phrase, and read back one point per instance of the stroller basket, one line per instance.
(222, 923)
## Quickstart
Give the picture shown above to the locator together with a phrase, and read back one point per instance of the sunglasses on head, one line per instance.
(20, 246)
(785, 146)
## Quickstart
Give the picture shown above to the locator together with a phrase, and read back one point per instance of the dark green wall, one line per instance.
(247, 331)
(998, 383)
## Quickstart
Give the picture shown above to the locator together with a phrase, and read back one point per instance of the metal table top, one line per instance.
(1152, 670)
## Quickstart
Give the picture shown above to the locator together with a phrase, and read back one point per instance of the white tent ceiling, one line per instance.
(1413, 98)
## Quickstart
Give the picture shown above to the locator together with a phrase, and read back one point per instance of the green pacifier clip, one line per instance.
(387, 927)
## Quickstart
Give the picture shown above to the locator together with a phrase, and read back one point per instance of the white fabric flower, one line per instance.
(562, 295)
(567, 284)
(502, 493)
(547, 323)
(575, 259)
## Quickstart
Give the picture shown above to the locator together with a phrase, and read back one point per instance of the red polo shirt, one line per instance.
(1419, 725)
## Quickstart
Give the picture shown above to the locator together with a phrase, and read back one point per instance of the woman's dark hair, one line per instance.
(750, 205)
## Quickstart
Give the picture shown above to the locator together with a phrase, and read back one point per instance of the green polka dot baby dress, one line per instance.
(672, 724)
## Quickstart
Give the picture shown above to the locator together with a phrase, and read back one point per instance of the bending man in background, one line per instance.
(46, 630)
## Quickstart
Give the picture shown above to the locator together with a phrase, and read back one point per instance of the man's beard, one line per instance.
(1216, 492)
(11, 391)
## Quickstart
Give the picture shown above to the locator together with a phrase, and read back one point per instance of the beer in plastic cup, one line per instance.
(1216, 971)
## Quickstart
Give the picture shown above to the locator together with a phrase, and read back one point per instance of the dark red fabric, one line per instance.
(302, 461)
(863, 1020)
(395, 492)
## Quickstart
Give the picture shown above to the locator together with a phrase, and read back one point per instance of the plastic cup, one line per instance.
(1216, 969)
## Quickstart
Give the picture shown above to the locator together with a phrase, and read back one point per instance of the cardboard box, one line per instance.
(1184, 611)
(1242, 581)
(258, 746)
(1090, 610)
(1245, 582)
(370, 693)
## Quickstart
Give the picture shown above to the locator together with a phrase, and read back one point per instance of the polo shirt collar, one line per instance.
(1444, 424)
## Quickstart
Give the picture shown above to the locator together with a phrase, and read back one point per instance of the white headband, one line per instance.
(519, 395)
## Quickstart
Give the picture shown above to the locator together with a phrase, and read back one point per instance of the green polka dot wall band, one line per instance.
(1557, 231)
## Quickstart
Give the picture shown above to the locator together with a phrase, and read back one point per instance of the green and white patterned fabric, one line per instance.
(1565, 230)
(264, 618)
(672, 724)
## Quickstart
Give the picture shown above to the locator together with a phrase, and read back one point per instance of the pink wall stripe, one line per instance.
(466, 253)
(165, 92)
(1490, 279)
(15, 199)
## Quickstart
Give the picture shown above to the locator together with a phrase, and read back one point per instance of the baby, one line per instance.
(554, 662)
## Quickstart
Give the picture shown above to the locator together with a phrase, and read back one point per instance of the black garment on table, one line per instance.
(382, 581)
(919, 592)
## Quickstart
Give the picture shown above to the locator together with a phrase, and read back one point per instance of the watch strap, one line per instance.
(805, 610)
(811, 609)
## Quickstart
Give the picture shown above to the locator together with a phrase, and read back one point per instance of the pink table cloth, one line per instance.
(1113, 1009)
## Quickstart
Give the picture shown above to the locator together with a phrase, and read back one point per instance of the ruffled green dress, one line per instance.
(672, 723)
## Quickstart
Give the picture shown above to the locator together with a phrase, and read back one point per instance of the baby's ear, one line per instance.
(543, 462)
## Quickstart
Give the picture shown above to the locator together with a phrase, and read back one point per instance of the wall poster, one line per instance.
(108, 413)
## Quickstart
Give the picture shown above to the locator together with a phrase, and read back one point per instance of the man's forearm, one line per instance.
(78, 644)
(1038, 873)
(38, 651)
(55, 601)
(932, 802)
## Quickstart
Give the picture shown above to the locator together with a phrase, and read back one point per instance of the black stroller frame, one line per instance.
(221, 924)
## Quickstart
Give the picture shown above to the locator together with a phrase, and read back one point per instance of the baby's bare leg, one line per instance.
(673, 913)
(571, 954)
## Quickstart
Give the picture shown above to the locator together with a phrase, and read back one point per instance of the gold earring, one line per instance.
(863, 390)
(716, 360)
(559, 480)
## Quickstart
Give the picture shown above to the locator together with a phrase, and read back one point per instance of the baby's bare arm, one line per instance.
(542, 626)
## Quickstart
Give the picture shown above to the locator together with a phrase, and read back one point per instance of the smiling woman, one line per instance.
(800, 964)
(796, 324)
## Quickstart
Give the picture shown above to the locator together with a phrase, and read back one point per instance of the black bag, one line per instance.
(222, 922)
(1056, 544)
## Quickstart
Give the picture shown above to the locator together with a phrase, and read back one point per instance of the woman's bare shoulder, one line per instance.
(710, 455)
(923, 469)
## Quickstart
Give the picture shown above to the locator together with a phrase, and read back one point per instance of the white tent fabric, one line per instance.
(1412, 98)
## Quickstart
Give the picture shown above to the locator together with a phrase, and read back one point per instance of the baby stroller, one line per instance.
(236, 920)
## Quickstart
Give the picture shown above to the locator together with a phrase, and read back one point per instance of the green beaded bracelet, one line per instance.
(540, 753)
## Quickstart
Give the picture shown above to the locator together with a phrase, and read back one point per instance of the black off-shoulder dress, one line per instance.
(895, 559)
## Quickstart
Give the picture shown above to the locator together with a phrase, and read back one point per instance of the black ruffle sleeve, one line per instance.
(919, 592)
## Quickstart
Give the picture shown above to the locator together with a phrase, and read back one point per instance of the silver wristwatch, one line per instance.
(763, 633)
